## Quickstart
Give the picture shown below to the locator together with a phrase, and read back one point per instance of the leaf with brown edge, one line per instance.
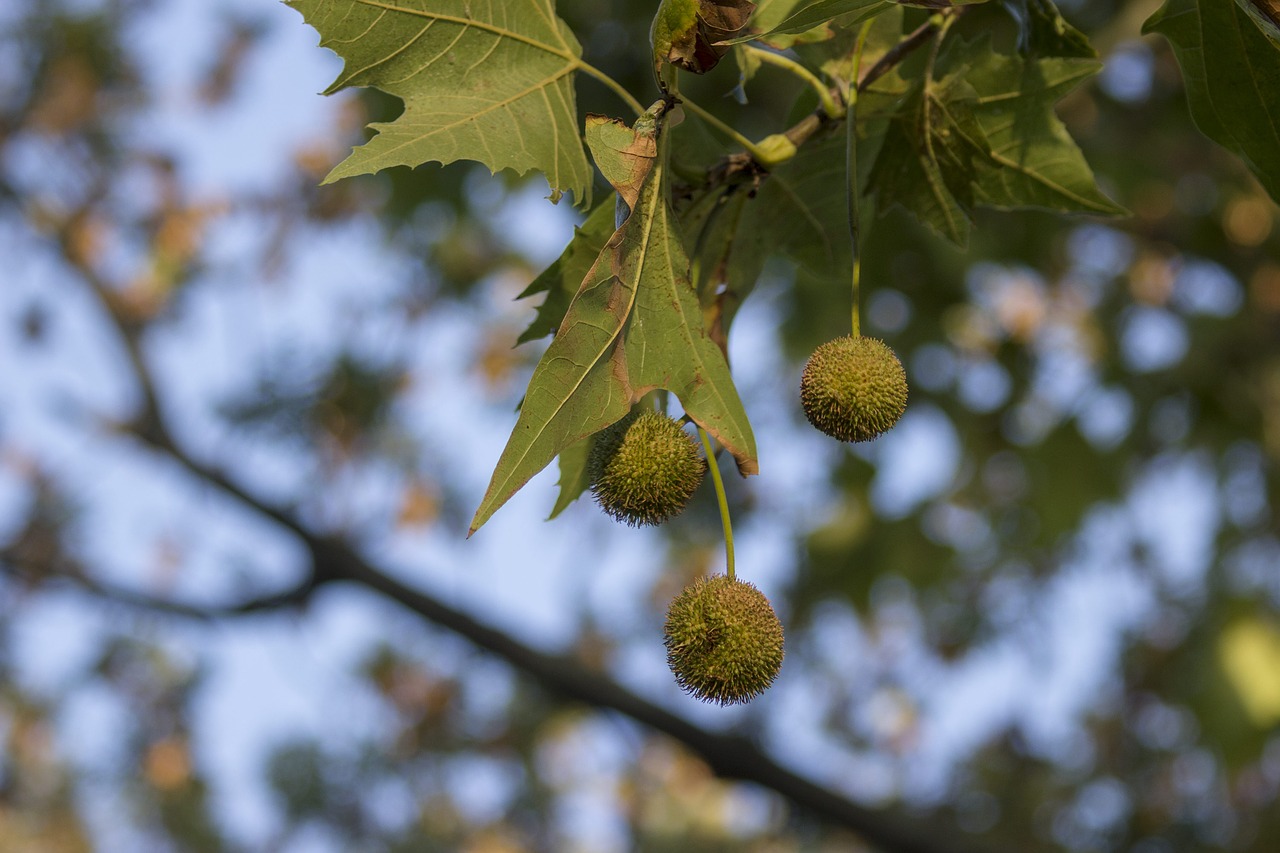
(634, 326)
(688, 33)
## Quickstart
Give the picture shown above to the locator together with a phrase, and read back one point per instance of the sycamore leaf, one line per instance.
(561, 280)
(986, 134)
(634, 326)
(686, 33)
(484, 80)
(1031, 160)
(926, 163)
(1232, 74)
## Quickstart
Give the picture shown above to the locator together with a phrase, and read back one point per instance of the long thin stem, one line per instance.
(851, 167)
(747, 145)
(618, 88)
(829, 105)
(720, 499)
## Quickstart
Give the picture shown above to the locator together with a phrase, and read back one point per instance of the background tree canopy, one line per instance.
(245, 420)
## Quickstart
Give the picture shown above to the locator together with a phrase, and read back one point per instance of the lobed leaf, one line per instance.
(634, 326)
(1232, 74)
(986, 134)
(484, 80)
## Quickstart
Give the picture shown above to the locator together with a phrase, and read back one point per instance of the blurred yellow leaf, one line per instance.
(419, 505)
(68, 96)
(1249, 653)
(167, 764)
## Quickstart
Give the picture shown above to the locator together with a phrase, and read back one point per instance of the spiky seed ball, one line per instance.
(724, 642)
(644, 468)
(853, 389)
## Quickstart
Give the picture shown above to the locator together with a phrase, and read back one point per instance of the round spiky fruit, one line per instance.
(724, 642)
(853, 389)
(644, 468)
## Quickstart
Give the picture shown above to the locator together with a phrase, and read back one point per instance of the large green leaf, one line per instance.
(485, 80)
(633, 327)
(1232, 75)
(985, 134)
(1031, 160)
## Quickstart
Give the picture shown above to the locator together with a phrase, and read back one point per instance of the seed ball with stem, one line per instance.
(853, 388)
(724, 642)
(644, 468)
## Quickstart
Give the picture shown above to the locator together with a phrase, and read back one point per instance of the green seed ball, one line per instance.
(724, 642)
(644, 468)
(853, 389)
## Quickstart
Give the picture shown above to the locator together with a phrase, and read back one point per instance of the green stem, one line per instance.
(851, 168)
(721, 499)
(747, 145)
(829, 105)
(618, 88)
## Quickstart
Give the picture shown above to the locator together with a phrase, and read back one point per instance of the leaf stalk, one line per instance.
(721, 499)
(851, 167)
